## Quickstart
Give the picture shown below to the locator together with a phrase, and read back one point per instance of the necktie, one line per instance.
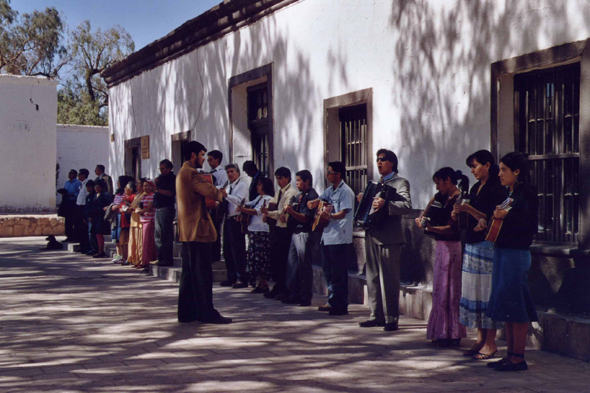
(381, 179)
(279, 199)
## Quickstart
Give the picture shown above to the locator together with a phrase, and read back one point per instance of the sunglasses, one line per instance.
(382, 159)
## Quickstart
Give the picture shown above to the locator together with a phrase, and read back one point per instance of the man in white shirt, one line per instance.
(80, 227)
(214, 158)
(234, 241)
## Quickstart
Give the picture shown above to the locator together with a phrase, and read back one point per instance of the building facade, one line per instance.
(299, 83)
(28, 114)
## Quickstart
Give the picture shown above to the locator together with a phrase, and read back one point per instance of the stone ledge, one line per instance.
(31, 225)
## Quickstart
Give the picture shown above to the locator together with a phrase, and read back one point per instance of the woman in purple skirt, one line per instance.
(444, 328)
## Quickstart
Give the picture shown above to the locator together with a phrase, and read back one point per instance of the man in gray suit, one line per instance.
(383, 247)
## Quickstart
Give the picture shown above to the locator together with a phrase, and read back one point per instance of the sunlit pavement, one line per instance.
(69, 323)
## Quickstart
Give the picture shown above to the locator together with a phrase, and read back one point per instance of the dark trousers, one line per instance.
(195, 296)
(336, 274)
(70, 219)
(300, 271)
(81, 228)
(164, 234)
(279, 257)
(92, 241)
(234, 251)
(216, 246)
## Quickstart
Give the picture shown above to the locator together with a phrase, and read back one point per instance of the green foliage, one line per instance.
(31, 44)
(93, 52)
(76, 107)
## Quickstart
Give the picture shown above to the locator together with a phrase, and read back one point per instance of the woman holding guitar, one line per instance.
(478, 258)
(258, 256)
(511, 300)
(444, 328)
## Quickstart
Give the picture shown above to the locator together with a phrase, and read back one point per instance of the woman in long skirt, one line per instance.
(444, 328)
(478, 257)
(135, 245)
(511, 301)
(148, 215)
(258, 257)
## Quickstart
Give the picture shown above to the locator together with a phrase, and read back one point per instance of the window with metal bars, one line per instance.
(258, 123)
(353, 137)
(547, 108)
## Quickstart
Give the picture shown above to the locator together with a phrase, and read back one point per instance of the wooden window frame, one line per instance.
(551, 57)
(355, 98)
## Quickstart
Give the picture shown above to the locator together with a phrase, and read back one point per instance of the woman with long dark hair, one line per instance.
(511, 301)
(444, 328)
(258, 257)
(478, 257)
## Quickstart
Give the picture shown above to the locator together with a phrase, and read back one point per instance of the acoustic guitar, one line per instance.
(319, 222)
(496, 224)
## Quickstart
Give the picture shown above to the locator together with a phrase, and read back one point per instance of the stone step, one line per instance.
(72, 247)
(173, 273)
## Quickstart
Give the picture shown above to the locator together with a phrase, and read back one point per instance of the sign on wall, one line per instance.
(145, 147)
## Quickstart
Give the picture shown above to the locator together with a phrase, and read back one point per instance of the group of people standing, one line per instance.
(485, 285)
(482, 286)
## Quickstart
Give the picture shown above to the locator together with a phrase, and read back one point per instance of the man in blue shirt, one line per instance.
(72, 187)
(336, 236)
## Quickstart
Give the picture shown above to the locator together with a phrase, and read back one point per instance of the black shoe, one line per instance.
(240, 284)
(281, 297)
(226, 283)
(305, 303)
(509, 366)
(338, 311)
(271, 294)
(260, 290)
(371, 323)
(390, 327)
(291, 301)
(218, 320)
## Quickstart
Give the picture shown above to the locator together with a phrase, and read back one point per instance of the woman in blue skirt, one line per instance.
(478, 258)
(511, 300)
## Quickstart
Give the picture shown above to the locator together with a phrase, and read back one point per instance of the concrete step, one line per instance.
(217, 265)
(173, 273)
(72, 247)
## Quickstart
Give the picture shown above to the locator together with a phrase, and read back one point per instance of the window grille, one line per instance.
(547, 104)
(258, 123)
(353, 128)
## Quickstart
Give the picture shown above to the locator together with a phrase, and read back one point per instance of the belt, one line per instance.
(233, 217)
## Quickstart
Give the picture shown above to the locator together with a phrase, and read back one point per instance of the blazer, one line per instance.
(107, 180)
(392, 231)
(194, 222)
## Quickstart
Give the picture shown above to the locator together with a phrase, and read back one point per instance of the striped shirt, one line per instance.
(148, 216)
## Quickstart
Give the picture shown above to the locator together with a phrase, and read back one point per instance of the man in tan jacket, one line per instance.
(197, 234)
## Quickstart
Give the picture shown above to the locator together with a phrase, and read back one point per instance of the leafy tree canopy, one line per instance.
(30, 43)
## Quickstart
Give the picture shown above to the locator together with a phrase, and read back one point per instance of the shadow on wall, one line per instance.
(442, 68)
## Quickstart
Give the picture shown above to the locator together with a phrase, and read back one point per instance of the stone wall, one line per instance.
(31, 225)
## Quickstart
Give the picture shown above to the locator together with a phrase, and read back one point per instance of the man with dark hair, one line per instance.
(164, 199)
(234, 241)
(336, 236)
(196, 232)
(214, 158)
(280, 235)
(68, 204)
(100, 175)
(80, 226)
(383, 247)
(251, 170)
(303, 242)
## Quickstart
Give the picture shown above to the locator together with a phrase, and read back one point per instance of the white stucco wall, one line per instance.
(428, 64)
(28, 116)
(81, 147)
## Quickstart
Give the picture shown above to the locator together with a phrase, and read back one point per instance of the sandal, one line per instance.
(500, 362)
(471, 352)
(484, 356)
